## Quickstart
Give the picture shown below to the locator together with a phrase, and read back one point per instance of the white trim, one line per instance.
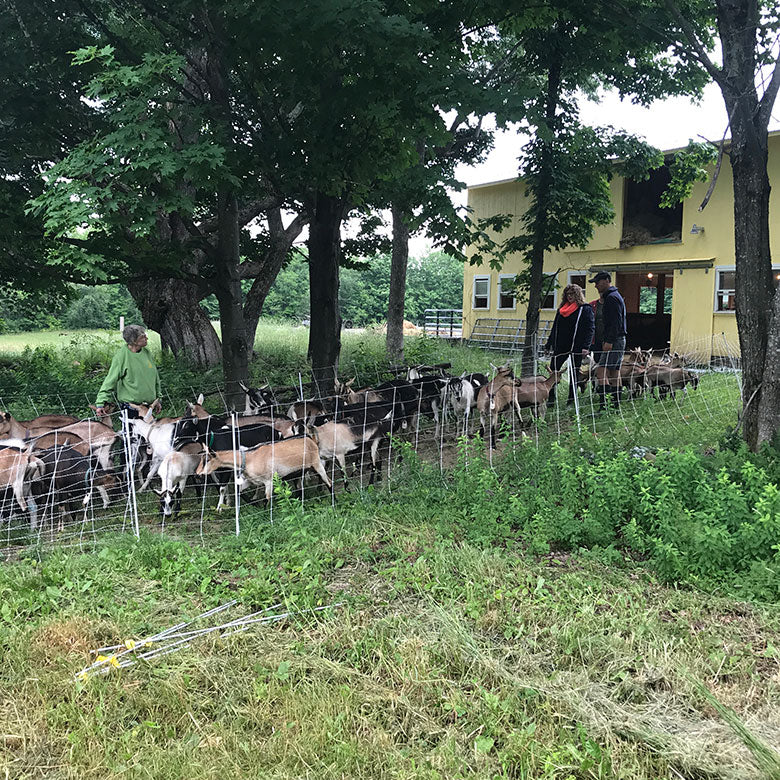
(499, 307)
(569, 275)
(545, 277)
(480, 278)
(718, 269)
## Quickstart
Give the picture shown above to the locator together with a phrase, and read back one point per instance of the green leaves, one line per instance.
(689, 166)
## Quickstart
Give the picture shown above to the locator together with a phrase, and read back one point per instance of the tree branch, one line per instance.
(769, 97)
(701, 52)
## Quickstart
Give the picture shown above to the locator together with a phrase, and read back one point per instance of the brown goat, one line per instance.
(258, 465)
(18, 468)
(669, 379)
(98, 436)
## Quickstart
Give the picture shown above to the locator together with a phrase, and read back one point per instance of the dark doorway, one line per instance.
(648, 297)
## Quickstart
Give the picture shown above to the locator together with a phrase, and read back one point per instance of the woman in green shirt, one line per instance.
(132, 377)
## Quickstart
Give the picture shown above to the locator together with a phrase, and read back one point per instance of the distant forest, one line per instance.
(433, 282)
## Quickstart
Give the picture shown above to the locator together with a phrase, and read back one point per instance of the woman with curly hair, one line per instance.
(571, 334)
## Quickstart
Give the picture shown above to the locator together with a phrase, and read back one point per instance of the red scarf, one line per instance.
(569, 308)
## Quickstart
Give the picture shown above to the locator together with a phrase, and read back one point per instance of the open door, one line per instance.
(648, 297)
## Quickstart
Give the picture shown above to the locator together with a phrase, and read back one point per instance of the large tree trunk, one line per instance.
(325, 324)
(395, 305)
(768, 423)
(755, 296)
(235, 351)
(171, 307)
(753, 277)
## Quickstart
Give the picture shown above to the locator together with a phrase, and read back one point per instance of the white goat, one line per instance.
(174, 470)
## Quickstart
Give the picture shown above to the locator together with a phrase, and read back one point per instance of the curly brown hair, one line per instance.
(576, 290)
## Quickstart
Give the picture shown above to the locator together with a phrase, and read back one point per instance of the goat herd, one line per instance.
(54, 464)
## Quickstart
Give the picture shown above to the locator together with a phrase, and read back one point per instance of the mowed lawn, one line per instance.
(440, 658)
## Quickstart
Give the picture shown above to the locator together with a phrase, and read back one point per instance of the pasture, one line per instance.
(558, 609)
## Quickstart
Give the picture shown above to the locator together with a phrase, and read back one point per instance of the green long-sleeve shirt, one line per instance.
(132, 378)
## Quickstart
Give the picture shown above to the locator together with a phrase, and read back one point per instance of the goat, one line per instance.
(492, 400)
(632, 376)
(280, 422)
(344, 392)
(174, 470)
(461, 392)
(68, 479)
(258, 398)
(534, 393)
(158, 435)
(306, 411)
(669, 379)
(210, 431)
(19, 469)
(258, 465)
(336, 439)
(98, 436)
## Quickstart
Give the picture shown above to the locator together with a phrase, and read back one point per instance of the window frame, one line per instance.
(727, 268)
(554, 292)
(584, 273)
(718, 289)
(480, 278)
(499, 293)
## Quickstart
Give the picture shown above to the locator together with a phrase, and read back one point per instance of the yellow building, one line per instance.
(676, 265)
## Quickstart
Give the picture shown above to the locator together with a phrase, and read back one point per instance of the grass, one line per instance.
(462, 647)
(447, 659)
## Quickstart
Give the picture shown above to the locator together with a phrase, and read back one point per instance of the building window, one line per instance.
(578, 277)
(481, 295)
(725, 299)
(506, 291)
(725, 284)
(645, 221)
(549, 291)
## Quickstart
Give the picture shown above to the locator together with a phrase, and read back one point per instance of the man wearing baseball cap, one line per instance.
(610, 339)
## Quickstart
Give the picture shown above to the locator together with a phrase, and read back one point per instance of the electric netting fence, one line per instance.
(120, 479)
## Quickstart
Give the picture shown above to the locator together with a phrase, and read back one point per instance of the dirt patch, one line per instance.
(68, 638)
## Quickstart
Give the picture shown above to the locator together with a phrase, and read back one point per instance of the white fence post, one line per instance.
(130, 456)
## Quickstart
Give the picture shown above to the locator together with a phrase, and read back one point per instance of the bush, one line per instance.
(101, 307)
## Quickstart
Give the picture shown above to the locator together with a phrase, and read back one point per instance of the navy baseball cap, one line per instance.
(599, 276)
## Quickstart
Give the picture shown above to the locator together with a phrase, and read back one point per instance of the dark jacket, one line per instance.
(614, 316)
(573, 333)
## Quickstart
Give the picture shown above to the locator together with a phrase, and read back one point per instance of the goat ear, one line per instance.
(351, 382)
(199, 400)
(243, 387)
(263, 387)
(7, 416)
(149, 416)
(159, 492)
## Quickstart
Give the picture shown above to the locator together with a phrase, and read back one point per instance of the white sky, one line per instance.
(666, 124)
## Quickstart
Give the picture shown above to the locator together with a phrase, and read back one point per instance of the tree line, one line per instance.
(182, 148)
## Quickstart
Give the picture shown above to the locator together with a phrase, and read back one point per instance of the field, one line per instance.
(567, 611)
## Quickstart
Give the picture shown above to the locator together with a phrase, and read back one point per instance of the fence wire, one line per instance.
(57, 497)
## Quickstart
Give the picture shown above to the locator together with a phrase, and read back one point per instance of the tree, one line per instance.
(748, 34)
(565, 165)
(163, 193)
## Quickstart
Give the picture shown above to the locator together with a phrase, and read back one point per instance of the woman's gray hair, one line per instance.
(132, 333)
